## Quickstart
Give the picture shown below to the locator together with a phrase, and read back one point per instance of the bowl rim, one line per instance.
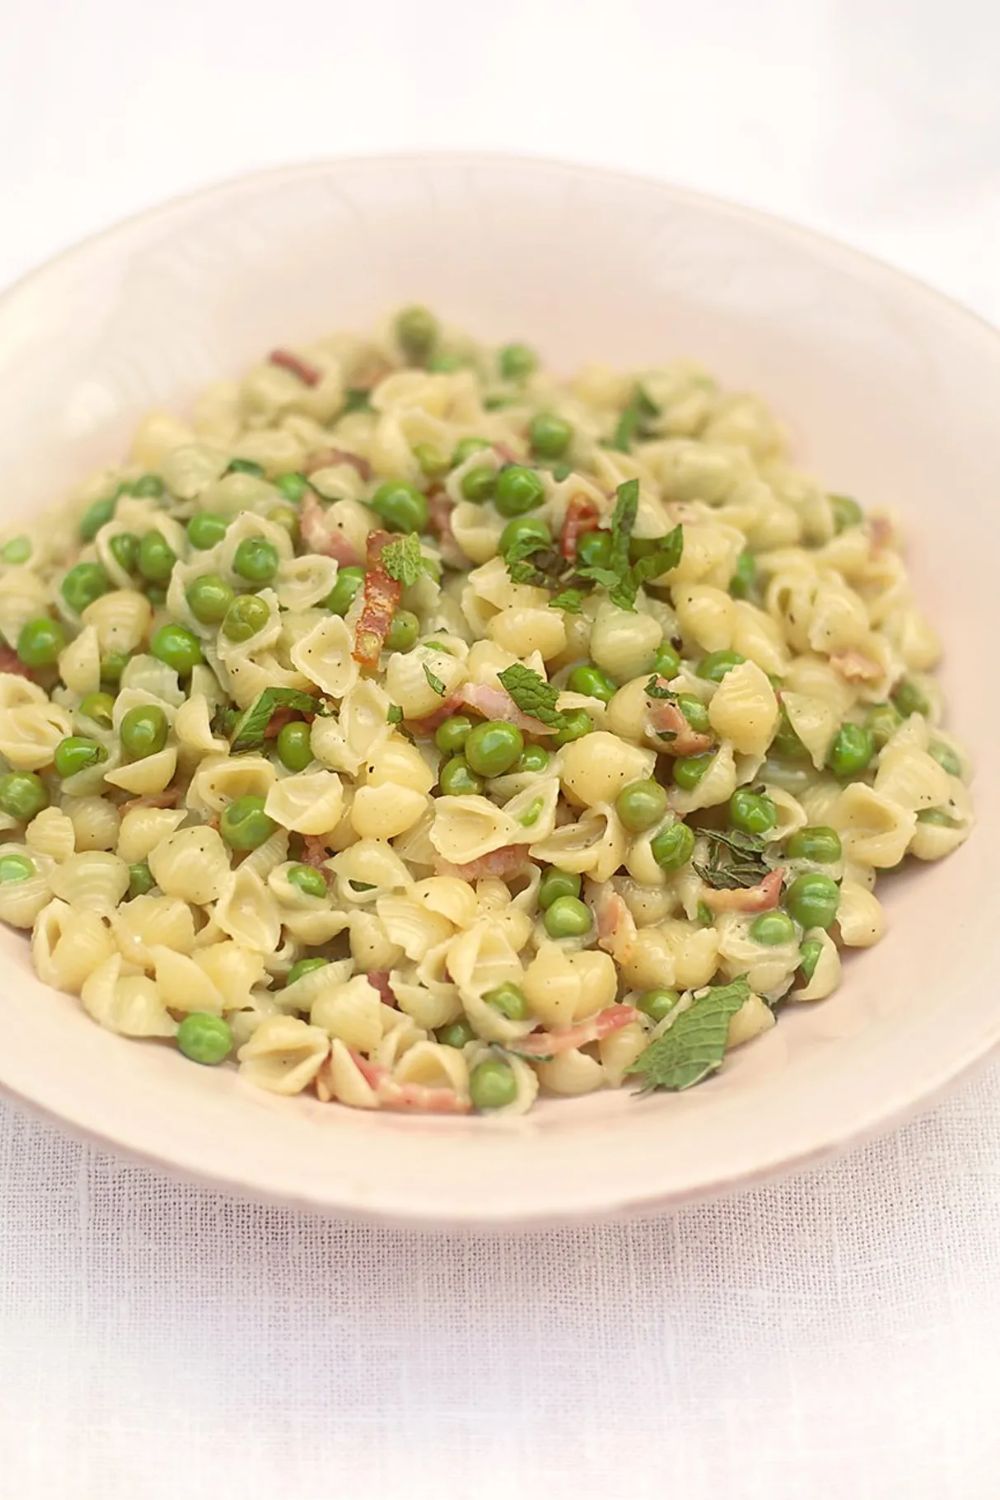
(889, 1113)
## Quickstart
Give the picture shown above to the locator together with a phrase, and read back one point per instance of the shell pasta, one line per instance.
(414, 728)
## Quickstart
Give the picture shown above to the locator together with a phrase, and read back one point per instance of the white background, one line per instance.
(834, 1336)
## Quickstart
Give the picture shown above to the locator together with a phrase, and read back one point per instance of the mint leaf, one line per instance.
(249, 729)
(403, 560)
(655, 689)
(532, 694)
(622, 524)
(745, 866)
(434, 683)
(693, 1047)
(356, 398)
(571, 600)
(594, 574)
(530, 559)
(669, 551)
(634, 421)
(394, 715)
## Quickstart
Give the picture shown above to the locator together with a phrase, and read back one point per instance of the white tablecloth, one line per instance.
(833, 1336)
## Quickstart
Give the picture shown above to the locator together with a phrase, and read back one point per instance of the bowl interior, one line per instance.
(890, 393)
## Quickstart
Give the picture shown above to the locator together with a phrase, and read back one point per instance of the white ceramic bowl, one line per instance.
(891, 393)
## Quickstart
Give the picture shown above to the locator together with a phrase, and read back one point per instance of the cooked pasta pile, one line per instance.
(419, 730)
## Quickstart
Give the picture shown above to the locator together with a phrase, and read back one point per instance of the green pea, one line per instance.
(520, 529)
(417, 332)
(532, 813)
(22, 795)
(492, 1084)
(303, 966)
(641, 805)
(820, 844)
(809, 957)
(307, 880)
(342, 595)
(517, 361)
(143, 730)
(99, 707)
(83, 584)
(246, 466)
(576, 722)
(40, 641)
(667, 664)
(146, 487)
(694, 711)
(938, 817)
(256, 559)
(455, 1035)
(76, 753)
(293, 486)
(452, 734)
(403, 631)
(786, 743)
(752, 812)
(125, 550)
(592, 681)
(205, 1038)
(852, 749)
(208, 598)
(704, 914)
(465, 447)
(593, 549)
(568, 916)
(446, 362)
(245, 616)
(431, 460)
(17, 550)
(744, 579)
(555, 884)
(518, 489)
(883, 720)
(156, 557)
(140, 879)
(846, 512)
(244, 823)
(14, 868)
(509, 1000)
(716, 664)
(689, 769)
(112, 667)
(401, 506)
(456, 780)
(549, 435)
(908, 699)
(293, 745)
(178, 647)
(772, 928)
(813, 900)
(491, 749)
(96, 516)
(945, 757)
(479, 483)
(206, 530)
(673, 846)
(533, 758)
(657, 1003)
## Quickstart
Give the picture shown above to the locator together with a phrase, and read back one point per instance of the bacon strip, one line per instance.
(616, 930)
(496, 703)
(581, 516)
(424, 727)
(593, 1029)
(327, 458)
(296, 365)
(762, 897)
(665, 716)
(506, 454)
(12, 664)
(328, 541)
(439, 519)
(314, 851)
(881, 533)
(379, 980)
(410, 1096)
(502, 864)
(855, 666)
(381, 601)
(280, 718)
